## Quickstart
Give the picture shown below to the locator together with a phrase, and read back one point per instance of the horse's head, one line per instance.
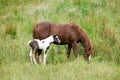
(87, 54)
(56, 39)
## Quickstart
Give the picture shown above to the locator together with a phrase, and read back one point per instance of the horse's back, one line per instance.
(41, 30)
(65, 32)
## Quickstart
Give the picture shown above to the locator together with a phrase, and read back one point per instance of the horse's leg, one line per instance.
(40, 56)
(30, 56)
(74, 46)
(33, 55)
(69, 50)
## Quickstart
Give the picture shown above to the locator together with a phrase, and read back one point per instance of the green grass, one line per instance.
(71, 70)
(100, 19)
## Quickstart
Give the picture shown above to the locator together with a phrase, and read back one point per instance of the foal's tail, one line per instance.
(28, 43)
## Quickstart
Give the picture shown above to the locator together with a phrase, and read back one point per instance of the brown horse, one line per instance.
(69, 34)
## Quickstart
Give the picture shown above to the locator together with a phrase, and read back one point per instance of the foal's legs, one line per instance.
(33, 55)
(45, 56)
(40, 56)
(69, 50)
(74, 46)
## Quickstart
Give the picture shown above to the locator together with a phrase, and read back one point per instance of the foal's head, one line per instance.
(56, 39)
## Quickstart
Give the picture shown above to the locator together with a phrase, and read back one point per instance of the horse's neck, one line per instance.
(85, 40)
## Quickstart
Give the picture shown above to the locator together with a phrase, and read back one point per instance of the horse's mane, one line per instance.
(85, 41)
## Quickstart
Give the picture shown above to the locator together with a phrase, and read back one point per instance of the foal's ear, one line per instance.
(54, 35)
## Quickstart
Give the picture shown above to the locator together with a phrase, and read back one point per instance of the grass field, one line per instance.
(100, 19)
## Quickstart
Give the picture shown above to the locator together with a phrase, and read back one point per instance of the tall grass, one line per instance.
(100, 19)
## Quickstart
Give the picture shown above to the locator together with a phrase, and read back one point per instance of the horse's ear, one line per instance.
(89, 48)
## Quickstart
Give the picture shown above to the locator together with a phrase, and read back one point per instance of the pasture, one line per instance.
(100, 19)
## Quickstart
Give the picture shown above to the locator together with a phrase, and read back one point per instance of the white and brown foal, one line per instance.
(39, 45)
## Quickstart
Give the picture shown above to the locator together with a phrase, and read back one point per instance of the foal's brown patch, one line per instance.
(34, 44)
(43, 41)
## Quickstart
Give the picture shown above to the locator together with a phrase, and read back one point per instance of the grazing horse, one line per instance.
(69, 34)
(44, 44)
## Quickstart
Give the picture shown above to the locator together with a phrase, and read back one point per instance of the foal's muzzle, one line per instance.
(58, 41)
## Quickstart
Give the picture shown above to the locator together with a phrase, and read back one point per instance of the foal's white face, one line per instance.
(56, 39)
